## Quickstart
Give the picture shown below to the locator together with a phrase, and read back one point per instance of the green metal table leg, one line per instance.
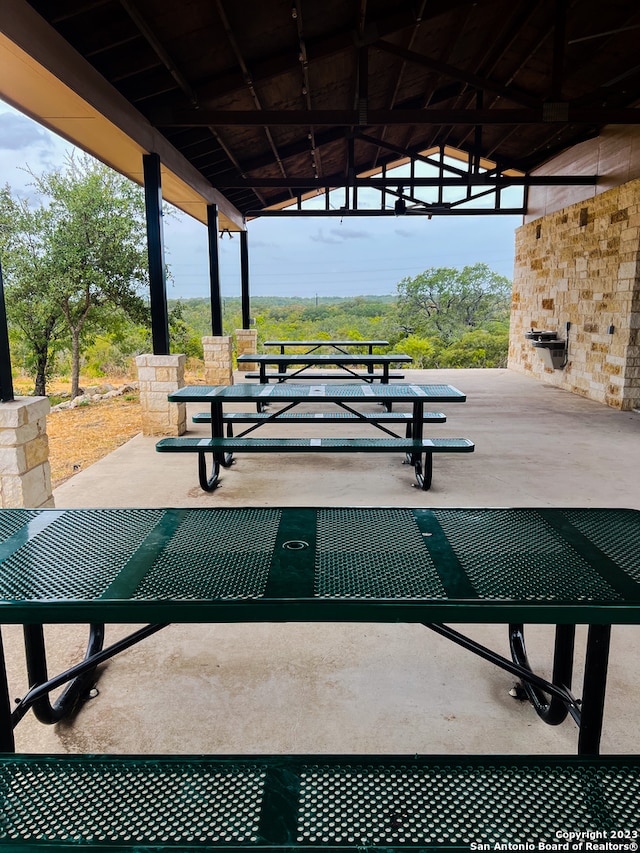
(76, 692)
(7, 742)
(552, 710)
(593, 689)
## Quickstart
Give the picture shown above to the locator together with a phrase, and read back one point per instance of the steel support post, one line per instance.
(155, 249)
(6, 382)
(214, 271)
(244, 269)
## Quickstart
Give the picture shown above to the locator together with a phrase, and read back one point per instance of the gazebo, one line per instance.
(232, 111)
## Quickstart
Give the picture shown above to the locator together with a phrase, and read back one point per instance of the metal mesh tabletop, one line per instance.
(247, 392)
(323, 358)
(193, 565)
(348, 343)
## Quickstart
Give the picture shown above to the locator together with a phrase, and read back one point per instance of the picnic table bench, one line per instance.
(406, 418)
(417, 450)
(347, 364)
(557, 567)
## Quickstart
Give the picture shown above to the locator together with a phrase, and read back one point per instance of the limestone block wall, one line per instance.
(158, 376)
(247, 344)
(25, 473)
(218, 359)
(581, 265)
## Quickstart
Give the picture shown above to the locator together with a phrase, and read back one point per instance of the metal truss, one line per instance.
(460, 183)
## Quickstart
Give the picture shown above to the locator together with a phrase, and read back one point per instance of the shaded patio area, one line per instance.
(354, 688)
(536, 445)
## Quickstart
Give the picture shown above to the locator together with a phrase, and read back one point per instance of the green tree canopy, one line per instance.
(449, 302)
(88, 242)
(32, 309)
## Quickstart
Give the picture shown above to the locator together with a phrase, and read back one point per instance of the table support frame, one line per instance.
(81, 676)
(423, 468)
(77, 691)
(587, 712)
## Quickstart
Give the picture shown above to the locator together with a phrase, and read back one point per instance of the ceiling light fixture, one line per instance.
(400, 207)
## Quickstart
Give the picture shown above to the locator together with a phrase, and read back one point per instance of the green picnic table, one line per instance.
(348, 364)
(417, 449)
(557, 567)
(340, 346)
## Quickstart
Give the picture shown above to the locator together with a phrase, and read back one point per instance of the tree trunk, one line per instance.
(40, 389)
(75, 363)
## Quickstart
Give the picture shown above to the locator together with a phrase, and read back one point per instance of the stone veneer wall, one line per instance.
(581, 265)
(25, 473)
(247, 344)
(218, 359)
(158, 376)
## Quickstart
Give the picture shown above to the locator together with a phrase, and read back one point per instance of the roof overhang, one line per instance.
(46, 79)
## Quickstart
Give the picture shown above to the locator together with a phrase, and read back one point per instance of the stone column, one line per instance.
(247, 343)
(25, 474)
(218, 360)
(158, 376)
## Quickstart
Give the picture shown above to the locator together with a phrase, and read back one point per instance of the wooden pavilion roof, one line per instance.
(261, 101)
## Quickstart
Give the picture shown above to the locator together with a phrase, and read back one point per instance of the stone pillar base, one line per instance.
(218, 360)
(158, 376)
(247, 344)
(25, 473)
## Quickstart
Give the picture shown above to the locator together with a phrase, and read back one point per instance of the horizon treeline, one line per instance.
(442, 319)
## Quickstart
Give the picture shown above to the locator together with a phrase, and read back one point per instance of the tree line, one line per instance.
(76, 283)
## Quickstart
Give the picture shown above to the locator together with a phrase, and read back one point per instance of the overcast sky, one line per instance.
(291, 257)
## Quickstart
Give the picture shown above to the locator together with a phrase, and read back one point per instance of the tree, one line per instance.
(98, 248)
(424, 351)
(91, 239)
(183, 338)
(479, 348)
(32, 309)
(448, 302)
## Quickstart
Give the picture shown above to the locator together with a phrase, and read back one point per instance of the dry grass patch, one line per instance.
(79, 437)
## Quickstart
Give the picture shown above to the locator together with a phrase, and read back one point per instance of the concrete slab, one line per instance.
(354, 688)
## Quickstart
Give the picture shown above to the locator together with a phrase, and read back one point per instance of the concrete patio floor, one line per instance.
(354, 688)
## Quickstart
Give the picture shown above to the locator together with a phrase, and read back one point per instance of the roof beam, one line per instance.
(477, 179)
(483, 83)
(321, 48)
(559, 39)
(549, 113)
(52, 83)
(292, 149)
(429, 211)
(306, 84)
(398, 82)
(159, 49)
(248, 81)
(405, 152)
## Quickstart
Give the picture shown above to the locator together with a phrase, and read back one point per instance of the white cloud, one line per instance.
(321, 237)
(26, 146)
(17, 132)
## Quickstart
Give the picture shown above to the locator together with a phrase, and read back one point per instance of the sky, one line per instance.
(351, 256)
